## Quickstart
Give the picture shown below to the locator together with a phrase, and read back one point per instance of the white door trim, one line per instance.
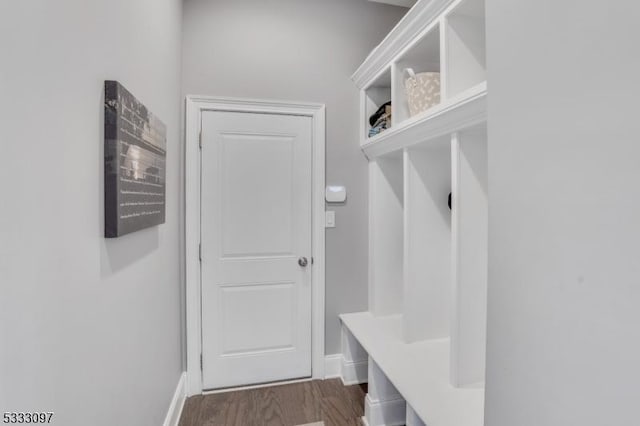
(195, 106)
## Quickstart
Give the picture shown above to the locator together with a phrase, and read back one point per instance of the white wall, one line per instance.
(564, 188)
(299, 50)
(89, 328)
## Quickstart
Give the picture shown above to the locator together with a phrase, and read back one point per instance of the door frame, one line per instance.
(195, 106)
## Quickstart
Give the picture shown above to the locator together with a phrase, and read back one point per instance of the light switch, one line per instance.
(330, 219)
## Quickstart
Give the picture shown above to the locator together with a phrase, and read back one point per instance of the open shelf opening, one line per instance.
(427, 251)
(465, 47)
(375, 96)
(422, 57)
(386, 234)
(470, 239)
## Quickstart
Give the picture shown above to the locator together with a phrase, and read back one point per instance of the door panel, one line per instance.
(261, 165)
(256, 223)
(244, 306)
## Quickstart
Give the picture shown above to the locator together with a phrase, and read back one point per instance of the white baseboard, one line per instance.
(385, 413)
(354, 372)
(177, 402)
(332, 365)
(351, 372)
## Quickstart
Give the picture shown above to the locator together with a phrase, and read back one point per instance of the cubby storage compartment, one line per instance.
(422, 56)
(374, 96)
(427, 240)
(465, 51)
(470, 240)
(386, 203)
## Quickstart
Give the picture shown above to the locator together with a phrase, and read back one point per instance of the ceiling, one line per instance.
(405, 3)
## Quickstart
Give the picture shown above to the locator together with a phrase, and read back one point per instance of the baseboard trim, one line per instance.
(256, 386)
(391, 412)
(332, 365)
(351, 372)
(177, 402)
(354, 372)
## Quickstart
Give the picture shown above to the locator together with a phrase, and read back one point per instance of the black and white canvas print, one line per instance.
(135, 145)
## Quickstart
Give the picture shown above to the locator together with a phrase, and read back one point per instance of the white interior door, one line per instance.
(256, 248)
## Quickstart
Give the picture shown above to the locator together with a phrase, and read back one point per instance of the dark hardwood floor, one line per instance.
(282, 405)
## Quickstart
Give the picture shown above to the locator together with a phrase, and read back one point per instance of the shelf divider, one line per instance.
(469, 256)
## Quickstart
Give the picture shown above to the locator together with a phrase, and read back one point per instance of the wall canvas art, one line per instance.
(135, 149)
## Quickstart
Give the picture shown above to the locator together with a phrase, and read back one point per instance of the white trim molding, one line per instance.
(195, 106)
(258, 386)
(383, 406)
(350, 372)
(390, 412)
(354, 362)
(332, 366)
(177, 402)
(354, 372)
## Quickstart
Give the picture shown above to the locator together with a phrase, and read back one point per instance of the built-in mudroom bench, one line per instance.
(421, 344)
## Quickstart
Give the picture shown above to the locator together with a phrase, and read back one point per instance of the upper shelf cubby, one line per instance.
(421, 60)
(375, 96)
(465, 47)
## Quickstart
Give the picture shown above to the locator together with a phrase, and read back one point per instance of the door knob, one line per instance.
(303, 261)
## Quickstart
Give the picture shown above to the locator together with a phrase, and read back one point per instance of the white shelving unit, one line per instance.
(424, 333)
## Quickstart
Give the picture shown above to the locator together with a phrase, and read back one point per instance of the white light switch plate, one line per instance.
(329, 219)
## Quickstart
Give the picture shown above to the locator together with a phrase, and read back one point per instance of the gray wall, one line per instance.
(564, 188)
(307, 51)
(89, 328)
